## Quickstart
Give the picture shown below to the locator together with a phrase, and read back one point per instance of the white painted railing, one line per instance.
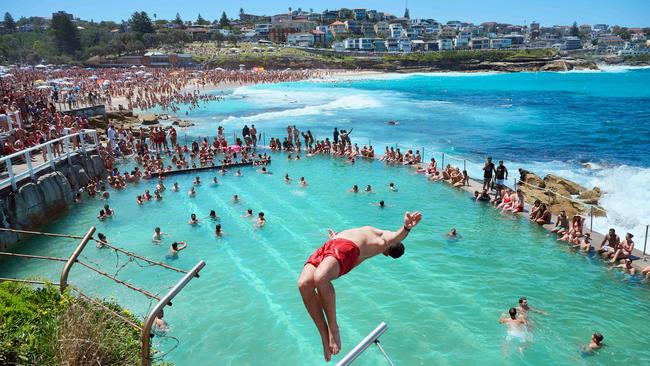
(69, 145)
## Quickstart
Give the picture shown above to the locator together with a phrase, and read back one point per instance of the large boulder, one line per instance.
(534, 180)
(562, 184)
(591, 196)
(149, 119)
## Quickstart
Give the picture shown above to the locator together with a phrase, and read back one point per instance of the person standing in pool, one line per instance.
(339, 255)
(176, 247)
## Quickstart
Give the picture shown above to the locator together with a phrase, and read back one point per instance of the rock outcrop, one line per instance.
(562, 194)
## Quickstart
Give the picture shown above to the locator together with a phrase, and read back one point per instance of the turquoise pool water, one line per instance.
(542, 121)
(441, 300)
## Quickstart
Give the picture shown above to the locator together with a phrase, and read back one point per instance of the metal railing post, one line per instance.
(145, 335)
(591, 219)
(363, 345)
(28, 161)
(442, 162)
(12, 177)
(82, 145)
(50, 157)
(645, 243)
(68, 148)
(464, 164)
(73, 258)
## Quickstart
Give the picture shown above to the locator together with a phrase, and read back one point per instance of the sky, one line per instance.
(630, 13)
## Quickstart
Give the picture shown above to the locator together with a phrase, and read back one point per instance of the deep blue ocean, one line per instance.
(544, 122)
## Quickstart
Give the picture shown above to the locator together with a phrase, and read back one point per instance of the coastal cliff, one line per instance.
(37, 203)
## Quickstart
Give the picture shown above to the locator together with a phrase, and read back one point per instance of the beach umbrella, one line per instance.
(39, 82)
(106, 83)
(134, 67)
(94, 77)
(40, 66)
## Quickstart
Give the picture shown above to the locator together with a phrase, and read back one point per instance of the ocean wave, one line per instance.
(620, 68)
(345, 103)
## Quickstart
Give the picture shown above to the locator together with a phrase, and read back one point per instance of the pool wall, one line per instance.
(37, 203)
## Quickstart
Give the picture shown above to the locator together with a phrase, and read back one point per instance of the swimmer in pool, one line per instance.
(369, 189)
(512, 321)
(238, 173)
(159, 324)
(193, 220)
(344, 251)
(264, 171)
(222, 171)
(595, 343)
(217, 231)
(354, 189)
(101, 239)
(524, 308)
(391, 187)
(453, 234)
(175, 187)
(197, 181)
(176, 247)
(286, 178)
(261, 221)
(192, 192)
(235, 198)
(249, 213)
(108, 211)
(102, 215)
(303, 182)
(214, 181)
(213, 215)
(157, 235)
(381, 204)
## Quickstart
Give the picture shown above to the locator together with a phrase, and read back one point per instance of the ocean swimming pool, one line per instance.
(441, 300)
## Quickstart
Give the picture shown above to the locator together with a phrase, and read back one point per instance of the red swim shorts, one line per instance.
(343, 250)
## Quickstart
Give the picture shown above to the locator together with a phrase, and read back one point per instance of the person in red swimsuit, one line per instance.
(340, 254)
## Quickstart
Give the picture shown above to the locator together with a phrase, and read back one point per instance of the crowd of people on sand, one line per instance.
(32, 101)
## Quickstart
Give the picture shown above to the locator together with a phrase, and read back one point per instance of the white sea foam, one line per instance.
(345, 103)
(626, 190)
(620, 68)
(399, 76)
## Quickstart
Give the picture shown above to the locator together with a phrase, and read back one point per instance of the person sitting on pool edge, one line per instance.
(339, 255)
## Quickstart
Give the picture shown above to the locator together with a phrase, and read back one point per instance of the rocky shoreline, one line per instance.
(562, 194)
(411, 65)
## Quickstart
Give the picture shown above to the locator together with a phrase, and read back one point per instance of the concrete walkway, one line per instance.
(596, 237)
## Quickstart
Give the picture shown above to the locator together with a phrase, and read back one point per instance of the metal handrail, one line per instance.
(371, 338)
(28, 153)
(50, 142)
(145, 335)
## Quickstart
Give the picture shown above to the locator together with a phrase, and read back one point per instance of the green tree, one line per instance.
(224, 22)
(10, 24)
(66, 34)
(141, 23)
(201, 21)
(575, 31)
(178, 20)
(219, 38)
